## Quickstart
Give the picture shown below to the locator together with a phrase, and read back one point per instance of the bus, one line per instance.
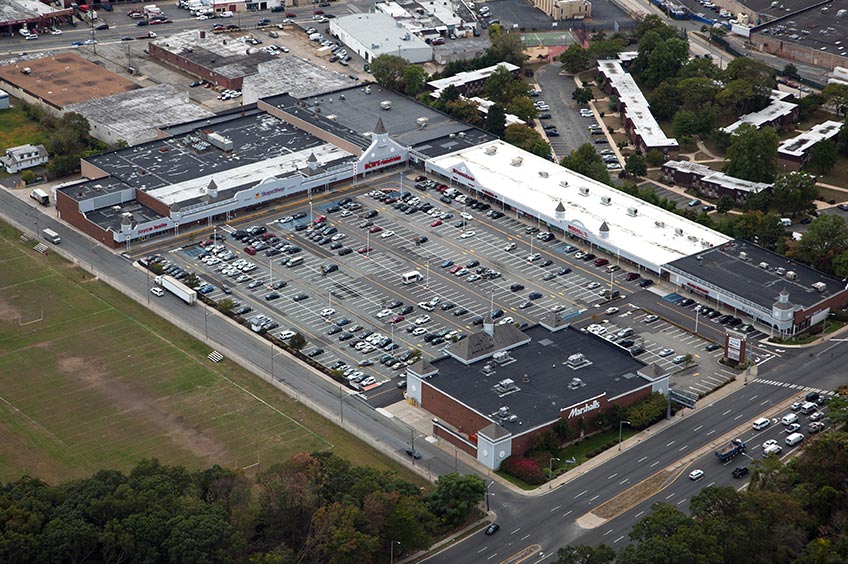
(411, 276)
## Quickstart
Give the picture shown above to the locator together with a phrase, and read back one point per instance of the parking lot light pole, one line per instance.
(488, 494)
(697, 314)
(551, 472)
(392, 550)
(620, 424)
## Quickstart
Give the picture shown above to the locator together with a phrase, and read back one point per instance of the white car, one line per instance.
(611, 311)
(506, 320)
(593, 285)
(666, 352)
(387, 234)
(384, 313)
(338, 236)
(467, 234)
(696, 475)
(422, 319)
(418, 331)
(533, 257)
(55, 32)
(157, 291)
(346, 213)
(328, 312)
(425, 306)
(466, 216)
(770, 442)
(510, 246)
(285, 335)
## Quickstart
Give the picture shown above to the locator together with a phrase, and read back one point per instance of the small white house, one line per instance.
(17, 159)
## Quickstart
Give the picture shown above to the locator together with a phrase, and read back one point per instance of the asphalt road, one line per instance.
(556, 91)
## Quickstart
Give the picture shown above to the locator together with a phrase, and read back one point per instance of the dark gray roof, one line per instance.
(552, 321)
(725, 267)
(481, 344)
(541, 377)
(560, 207)
(380, 129)
(422, 368)
(603, 227)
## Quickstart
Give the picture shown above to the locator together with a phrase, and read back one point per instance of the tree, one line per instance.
(464, 110)
(528, 139)
(414, 80)
(809, 104)
(575, 59)
(586, 161)
(794, 193)
(837, 95)
(582, 554)
(227, 304)
(202, 538)
(655, 157)
(582, 95)
(501, 86)
(790, 70)
(606, 48)
(724, 204)
(455, 496)
(664, 101)
(752, 154)
(297, 341)
(748, 84)
(507, 47)
(450, 94)
(636, 165)
(523, 108)
(840, 265)
(826, 238)
(496, 120)
(388, 71)
(822, 157)
(697, 92)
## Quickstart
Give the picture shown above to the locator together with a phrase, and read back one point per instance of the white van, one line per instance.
(761, 424)
(296, 261)
(786, 222)
(808, 407)
(789, 419)
(794, 439)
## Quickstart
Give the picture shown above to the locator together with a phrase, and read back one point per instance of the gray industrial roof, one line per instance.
(299, 77)
(728, 268)
(541, 376)
(135, 116)
(224, 54)
(813, 27)
(381, 33)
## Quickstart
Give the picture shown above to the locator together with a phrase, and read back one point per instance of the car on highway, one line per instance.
(741, 472)
(696, 474)
(492, 529)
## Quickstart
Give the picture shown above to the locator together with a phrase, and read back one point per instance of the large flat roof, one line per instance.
(804, 23)
(463, 78)
(541, 377)
(228, 56)
(358, 110)
(381, 33)
(777, 108)
(14, 11)
(297, 76)
(799, 145)
(538, 185)
(65, 78)
(736, 268)
(637, 109)
(129, 114)
(177, 169)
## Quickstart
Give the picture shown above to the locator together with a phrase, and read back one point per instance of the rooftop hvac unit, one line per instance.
(367, 90)
(678, 231)
(516, 161)
(491, 150)
(575, 383)
(385, 105)
(791, 275)
(706, 244)
(606, 200)
(500, 356)
(584, 190)
(576, 359)
(421, 122)
(503, 411)
(692, 238)
(332, 117)
(563, 183)
(543, 174)
(632, 212)
(512, 418)
(764, 265)
(819, 286)
(659, 223)
(218, 140)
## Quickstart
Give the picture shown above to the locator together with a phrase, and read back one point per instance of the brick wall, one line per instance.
(69, 211)
(457, 415)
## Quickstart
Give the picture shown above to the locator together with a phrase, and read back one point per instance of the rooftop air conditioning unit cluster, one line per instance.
(491, 150)
(606, 200)
(422, 122)
(516, 161)
(743, 255)
(505, 386)
(632, 212)
(563, 183)
(584, 190)
(576, 359)
(819, 286)
(575, 383)
(500, 356)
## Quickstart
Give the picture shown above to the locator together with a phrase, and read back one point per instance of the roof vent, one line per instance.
(421, 122)
(678, 231)
(516, 161)
(584, 190)
(632, 212)
(606, 200)
(563, 183)
(491, 150)
(575, 383)
(692, 238)
(543, 174)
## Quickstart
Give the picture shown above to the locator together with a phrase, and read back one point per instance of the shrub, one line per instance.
(28, 176)
(524, 469)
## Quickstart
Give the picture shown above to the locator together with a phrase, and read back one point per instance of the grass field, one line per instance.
(100, 382)
(17, 129)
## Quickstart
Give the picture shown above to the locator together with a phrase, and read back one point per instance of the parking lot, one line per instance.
(345, 294)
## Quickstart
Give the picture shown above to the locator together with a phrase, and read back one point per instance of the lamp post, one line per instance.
(487, 494)
(392, 550)
(697, 314)
(273, 356)
(620, 423)
(551, 472)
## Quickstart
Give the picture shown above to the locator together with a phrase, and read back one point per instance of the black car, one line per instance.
(741, 472)
(299, 215)
(497, 313)
(534, 296)
(300, 297)
(406, 310)
(345, 336)
(713, 347)
(636, 351)
(345, 251)
(393, 304)
(492, 529)
(448, 305)
(472, 263)
(413, 453)
(242, 310)
(460, 311)
(644, 283)
(563, 271)
(626, 343)
(272, 296)
(334, 330)
(546, 262)
(315, 352)
(516, 287)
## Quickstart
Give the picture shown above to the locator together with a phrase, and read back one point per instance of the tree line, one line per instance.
(312, 508)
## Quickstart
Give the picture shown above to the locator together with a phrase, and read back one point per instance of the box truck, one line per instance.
(40, 196)
(177, 288)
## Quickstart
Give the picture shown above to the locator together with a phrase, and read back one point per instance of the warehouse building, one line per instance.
(498, 390)
(291, 75)
(370, 35)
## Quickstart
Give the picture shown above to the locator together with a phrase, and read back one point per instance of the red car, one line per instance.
(632, 276)
(456, 269)
(250, 250)
(436, 223)
(396, 318)
(291, 15)
(319, 219)
(364, 250)
(206, 243)
(375, 229)
(442, 188)
(601, 262)
(319, 12)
